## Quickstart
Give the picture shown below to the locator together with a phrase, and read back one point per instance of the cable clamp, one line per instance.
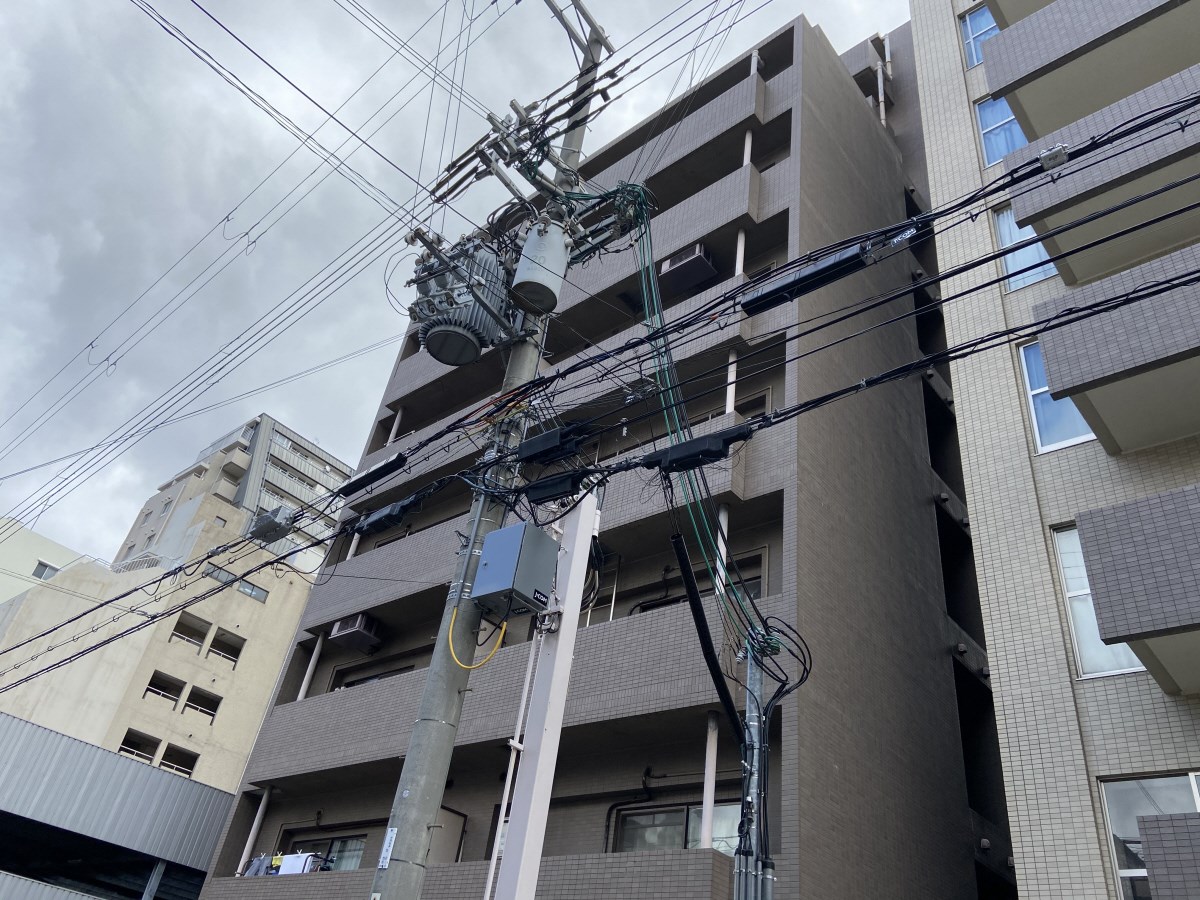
(1054, 157)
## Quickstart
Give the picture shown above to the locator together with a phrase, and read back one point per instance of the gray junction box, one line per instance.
(516, 571)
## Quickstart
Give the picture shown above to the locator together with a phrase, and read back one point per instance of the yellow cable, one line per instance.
(454, 656)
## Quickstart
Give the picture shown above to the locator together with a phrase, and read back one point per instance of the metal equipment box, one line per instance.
(516, 571)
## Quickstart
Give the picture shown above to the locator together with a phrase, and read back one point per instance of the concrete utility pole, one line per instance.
(401, 872)
(535, 778)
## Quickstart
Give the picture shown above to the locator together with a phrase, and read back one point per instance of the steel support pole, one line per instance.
(312, 665)
(255, 828)
(401, 872)
(709, 795)
(754, 738)
(547, 702)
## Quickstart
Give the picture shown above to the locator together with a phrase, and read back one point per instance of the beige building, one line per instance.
(27, 557)
(186, 693)
(1080, 450)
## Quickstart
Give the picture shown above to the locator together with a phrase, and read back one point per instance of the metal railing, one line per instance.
(158, 692)
(136, 754)
(186, 638)
(177, 769)
(223, 655)
(211, 713)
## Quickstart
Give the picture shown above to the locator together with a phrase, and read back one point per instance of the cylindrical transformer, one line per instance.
(458, 335)
(543, 266)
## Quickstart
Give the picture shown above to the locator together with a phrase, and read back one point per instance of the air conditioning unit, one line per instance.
(358, 632)
(685, 269)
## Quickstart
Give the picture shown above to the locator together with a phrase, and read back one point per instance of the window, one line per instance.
(221, 523)
(1095, 657)
(146, 517)
(164, 686)
(190, 629)
(149, 541)
(1056, 423)
(166, 509)
(44, 571)
(221, 575)
(1124, 801)
(180, 761)
(977, 26)
(203, 702)
(341, 853)
(226, 577)
(1009, 234)
(676, 827)
(999, 129)
(253, 590)
(139, 746)
(227, 646)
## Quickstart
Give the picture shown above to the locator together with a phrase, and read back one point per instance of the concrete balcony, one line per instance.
(1131, 372)
(236, 463)
(1174, 154)
(392, 572)
(424, 384)
(1071, 58)
(656, 875)
(726, 205)
(1144, 573)
(453, 452)
(1171, 849)
(1008, 12)
(727, 115)
(309, 736)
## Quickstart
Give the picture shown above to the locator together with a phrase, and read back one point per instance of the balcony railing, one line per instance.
(136, 754)
(185, 771)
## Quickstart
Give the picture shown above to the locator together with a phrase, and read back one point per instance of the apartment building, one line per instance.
(1080, 450)
(848, 523)
(186, 693)
(27, 557)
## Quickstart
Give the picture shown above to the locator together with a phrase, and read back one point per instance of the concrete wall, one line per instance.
(20, 553)
(1060, 734)
(1171, 848)
(114, 679)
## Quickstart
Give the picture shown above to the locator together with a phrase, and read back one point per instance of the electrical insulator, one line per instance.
(455, 329)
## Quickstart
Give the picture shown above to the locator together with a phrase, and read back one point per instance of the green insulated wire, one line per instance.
(674, 418)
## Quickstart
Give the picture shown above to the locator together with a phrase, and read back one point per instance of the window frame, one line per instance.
(1118, 872)
(1068, 596)
(970, 38)
(685, 806)
(1029, 404)
(983, 131)
(49, 570)
(1046, 267)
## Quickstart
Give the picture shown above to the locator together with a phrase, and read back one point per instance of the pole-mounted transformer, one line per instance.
(462, 303)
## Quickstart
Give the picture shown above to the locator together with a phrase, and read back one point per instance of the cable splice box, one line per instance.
(516, 571)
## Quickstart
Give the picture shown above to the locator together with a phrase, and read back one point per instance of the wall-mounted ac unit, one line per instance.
(685, 269)
(358, 632)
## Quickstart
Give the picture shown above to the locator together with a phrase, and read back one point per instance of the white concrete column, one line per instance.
(739, 260)
(353, 545)
(748, 147)
(709, 797)
(722, 585)
(255, 827)
(155, 879)
(731, 382)
(396, 425)
(312, 666)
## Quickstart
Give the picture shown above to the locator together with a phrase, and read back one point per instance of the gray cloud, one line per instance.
(119, 149)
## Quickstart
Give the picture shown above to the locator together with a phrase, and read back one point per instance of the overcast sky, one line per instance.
(120, 150)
